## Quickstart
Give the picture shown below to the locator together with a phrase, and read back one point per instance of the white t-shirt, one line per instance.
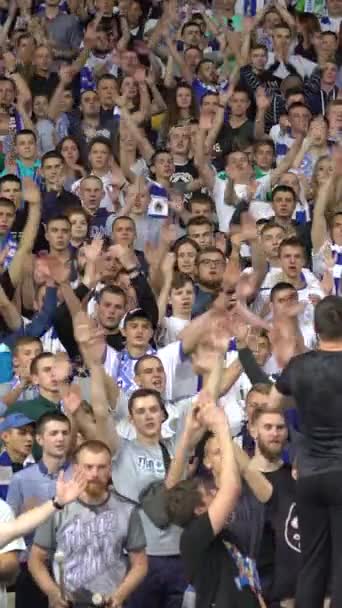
(170, 328)
(303, 66)
(6, 514)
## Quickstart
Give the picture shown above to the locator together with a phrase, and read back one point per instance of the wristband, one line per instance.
(56, 504)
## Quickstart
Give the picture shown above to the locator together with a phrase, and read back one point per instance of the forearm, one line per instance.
(287, 161)
(213, 382)
(43, 320)
(192, 333)
(259, 262)
(229, 376)
(55, 103)
(253, 370)
(257, 482)
(259, 128)
(13, 395)
(131, 581)
(319, 230)
(163, 299)
(229, 475)
(26, 244)
(25, 523)
(145, 297)
(40, 573)
(178, 463)
(10, 315)
(105, 427)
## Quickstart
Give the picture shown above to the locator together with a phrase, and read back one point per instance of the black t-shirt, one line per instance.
(314, 380)
(282, 524)
(246, 523)
(210, 568)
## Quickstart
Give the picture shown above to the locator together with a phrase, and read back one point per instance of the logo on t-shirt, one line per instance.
(292, 535)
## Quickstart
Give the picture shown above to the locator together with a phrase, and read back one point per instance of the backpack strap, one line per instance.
(166, 456)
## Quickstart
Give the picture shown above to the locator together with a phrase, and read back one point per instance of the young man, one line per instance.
(58, 234)
(278, 568)
(91, 194)
(211, 264)
(312, 379)
(240, 128)
(280, 57)
(20, 387)
(191, 504)
(201, 230)
(109, 312)
(55, 199)
(7, 218)
(92, 533)
(42, 376)
(36, 484)
(17, 432)
(100, 158)
(26, 163)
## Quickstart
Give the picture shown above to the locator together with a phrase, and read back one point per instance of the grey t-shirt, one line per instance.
(135, 466)
(94, 540)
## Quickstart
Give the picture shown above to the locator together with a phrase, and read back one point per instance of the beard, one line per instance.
(213, 284)
(95, 489)
(271, 452)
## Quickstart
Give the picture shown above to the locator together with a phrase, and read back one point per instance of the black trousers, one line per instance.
(27, 593)
(319, 505)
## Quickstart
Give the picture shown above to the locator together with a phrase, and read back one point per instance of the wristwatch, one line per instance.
(56, 504)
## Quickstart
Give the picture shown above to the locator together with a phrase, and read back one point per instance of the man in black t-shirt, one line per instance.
(314, 381)
(280, 548)
(202, 512)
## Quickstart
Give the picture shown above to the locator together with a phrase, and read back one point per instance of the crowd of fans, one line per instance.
(170, 224)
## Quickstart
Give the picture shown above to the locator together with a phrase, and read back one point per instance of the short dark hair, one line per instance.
(202, 199)
(182, 500)
(113, 290)
(291, 241)
(142, 359)
(99, 139)
(189, 24)
(10, 177)
(199, 220)
(281, 286)
(141, 393)
(51, 417)
(180, 280)
(5, 202)
(283, 188)
(58, 218)
(52, 154)
(207, 250)
(25, 132)
(298, 104)
(328, 318)
(293, 91)
(37, 359)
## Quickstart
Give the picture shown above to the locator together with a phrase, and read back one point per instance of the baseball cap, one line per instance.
(15, 421)
(136, 313)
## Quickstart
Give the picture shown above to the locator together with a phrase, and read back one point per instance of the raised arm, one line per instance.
(201, 162)
(31, 195)
(9, 312)
(319, 231)
(260, 486)
(92, 345)
(66, 491)
(229, 485)
(288, 160)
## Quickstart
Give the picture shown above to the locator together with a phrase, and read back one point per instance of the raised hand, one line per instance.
(262, 100)
(93, 250)
(61, 367)
(72, 399)
(168, 265)
(168, 232)
(68, 491)
(59, 271)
